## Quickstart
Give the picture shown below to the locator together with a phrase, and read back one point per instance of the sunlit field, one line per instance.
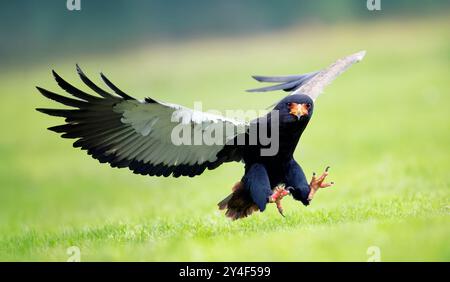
(383, 127)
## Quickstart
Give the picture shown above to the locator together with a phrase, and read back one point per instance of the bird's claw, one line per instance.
(318, 182)
(279, 193)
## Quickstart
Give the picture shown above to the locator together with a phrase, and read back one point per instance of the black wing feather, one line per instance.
(69, 88)
(289, 82)
(92, 85)
(63, 100)
(115, 88)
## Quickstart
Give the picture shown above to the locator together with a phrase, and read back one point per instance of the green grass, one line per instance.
(383, 127)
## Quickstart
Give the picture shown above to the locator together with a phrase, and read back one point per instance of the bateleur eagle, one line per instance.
(115, 128)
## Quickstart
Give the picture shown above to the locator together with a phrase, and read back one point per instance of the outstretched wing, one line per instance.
(311, 84)
(148, 137)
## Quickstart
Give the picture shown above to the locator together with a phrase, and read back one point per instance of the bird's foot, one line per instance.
(318, 182)
(278, 194)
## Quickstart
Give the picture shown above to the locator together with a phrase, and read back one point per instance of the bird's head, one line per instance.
(295, 108)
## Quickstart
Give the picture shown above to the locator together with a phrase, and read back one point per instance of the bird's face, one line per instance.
(295, 108)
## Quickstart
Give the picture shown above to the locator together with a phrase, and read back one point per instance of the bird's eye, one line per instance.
(308, 106)
(289, 104)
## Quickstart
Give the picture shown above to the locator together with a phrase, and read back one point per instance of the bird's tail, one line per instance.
(238, 204)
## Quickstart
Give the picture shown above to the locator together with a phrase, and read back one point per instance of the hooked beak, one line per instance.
(299, 110)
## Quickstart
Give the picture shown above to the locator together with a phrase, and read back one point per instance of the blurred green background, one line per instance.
(383, 127)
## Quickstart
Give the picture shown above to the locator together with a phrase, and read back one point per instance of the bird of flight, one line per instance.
(118, 129)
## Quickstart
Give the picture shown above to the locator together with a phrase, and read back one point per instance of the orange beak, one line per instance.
(299, 110)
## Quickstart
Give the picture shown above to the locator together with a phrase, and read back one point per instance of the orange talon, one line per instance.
(279, 193)
(318, 182)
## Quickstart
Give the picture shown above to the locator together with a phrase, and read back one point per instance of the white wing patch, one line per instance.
(154, 123)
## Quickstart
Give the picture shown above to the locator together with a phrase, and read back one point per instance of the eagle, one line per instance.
(151, 137)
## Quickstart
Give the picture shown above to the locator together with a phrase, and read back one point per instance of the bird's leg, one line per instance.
(278, 194)
(318, 182)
